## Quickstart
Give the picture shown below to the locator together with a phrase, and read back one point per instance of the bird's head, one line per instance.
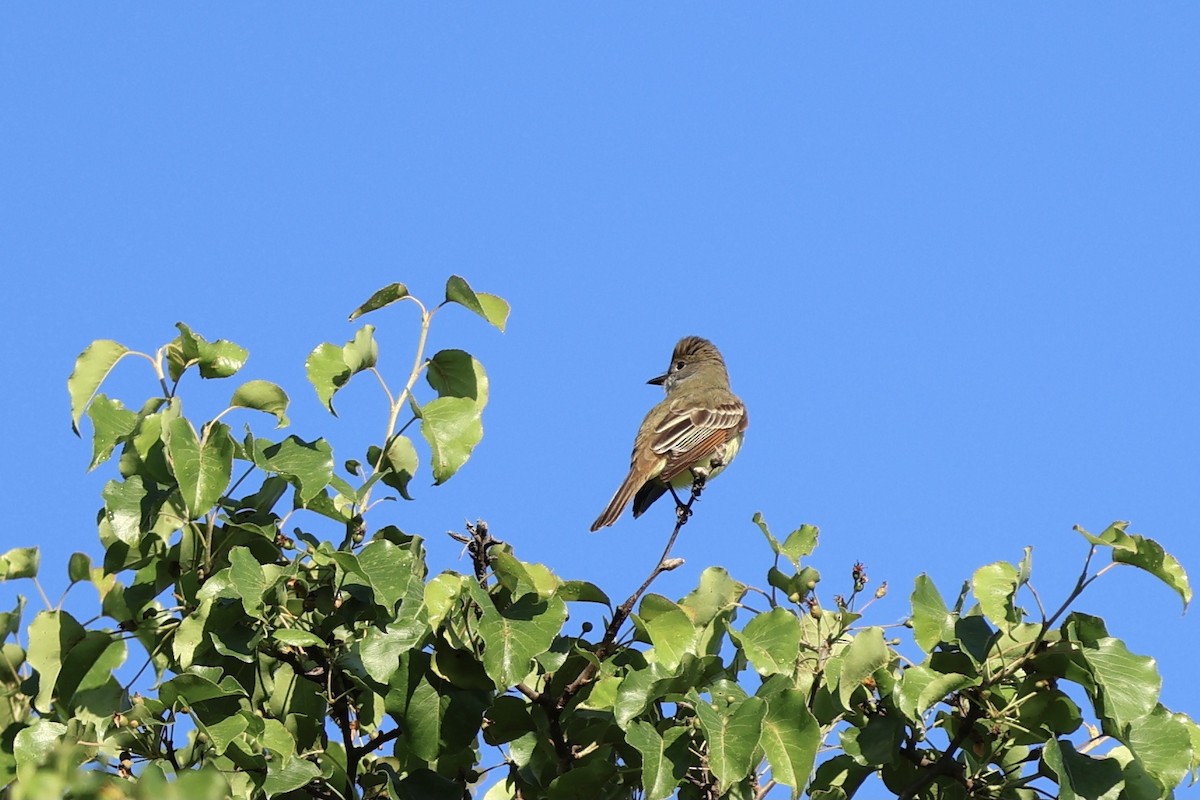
(692, 356)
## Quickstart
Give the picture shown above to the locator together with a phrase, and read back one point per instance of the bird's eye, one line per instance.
(678, 365)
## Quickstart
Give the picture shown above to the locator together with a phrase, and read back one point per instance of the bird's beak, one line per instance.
(659, 380)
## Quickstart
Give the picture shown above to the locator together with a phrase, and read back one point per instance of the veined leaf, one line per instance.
(452, 427)
(91, 368)
(262, 396)
(202, 466)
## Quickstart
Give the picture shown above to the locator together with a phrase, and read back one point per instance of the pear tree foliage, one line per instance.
(258, 634)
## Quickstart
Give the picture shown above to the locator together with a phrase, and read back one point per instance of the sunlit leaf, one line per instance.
(52, 634)
(800, 543)
(771, 642)
(790, 738)
(1149, 555)
(1162, 743)
(19, 562)
(219, 359)
(389, 294)
(995, 586)
(1127, 684)
(399, 464)
(452, 427)
(327, 372)
(1113, 536)
(490, 307)
(929, 613)
(920, 688)
(308, 464)
(111, 424)
(732, 735)
(262, 396)
(673, 635)
(91, 368)
(865, 654)
(202, 466)
(665, 758)
(246, 575)
(517, 635)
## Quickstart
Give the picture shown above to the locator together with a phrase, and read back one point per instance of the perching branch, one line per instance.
(683, 512)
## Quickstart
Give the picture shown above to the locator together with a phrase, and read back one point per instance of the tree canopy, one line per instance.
(259, 635)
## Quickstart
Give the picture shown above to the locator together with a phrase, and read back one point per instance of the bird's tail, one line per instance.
(621, 499)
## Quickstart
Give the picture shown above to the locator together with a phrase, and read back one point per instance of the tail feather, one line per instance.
(650, 491)
(621, 499)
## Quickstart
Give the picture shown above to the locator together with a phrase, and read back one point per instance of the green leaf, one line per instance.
(202, 467)
(665, 759)
(111, 423)
(52, 634)
(995, 586)
(758, 520)
(800, 542)
(1127, 685)
(91, 368)
(929, 613)
(89, 664)
(390, 570)
(732, 735)
(415, 705)
(717, 592)
(865, 654)
(1114, 536)
(219, 359)
(392, 293)
(771, 642)
(490, 307)
(1025, 568)
(921, 687)
(1162, 743)
(456, 373)
(123, 508)
(399, 464)
(308, 464)
(327, 372)
(1149, 555)
(495, 309)
(1081, 776)
(33, 745)
(380, 650)
(190, 688)
(247, 577)
(288, 776)
(639, 688)
(519, 634)
(297, 638)
(673, 635)
(583, 592)
(262, 396)
(452, 427)
(79, 568)
(361, 352)
(20, 562)
(790, 738)
(330, 367)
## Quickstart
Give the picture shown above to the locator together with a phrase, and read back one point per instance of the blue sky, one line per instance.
(951, 254)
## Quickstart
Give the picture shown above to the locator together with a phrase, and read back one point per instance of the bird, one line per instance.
(691, 435)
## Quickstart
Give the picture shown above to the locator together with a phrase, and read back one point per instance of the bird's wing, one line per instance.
(690, 433)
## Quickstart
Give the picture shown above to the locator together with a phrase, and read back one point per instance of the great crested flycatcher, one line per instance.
(695, 432)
